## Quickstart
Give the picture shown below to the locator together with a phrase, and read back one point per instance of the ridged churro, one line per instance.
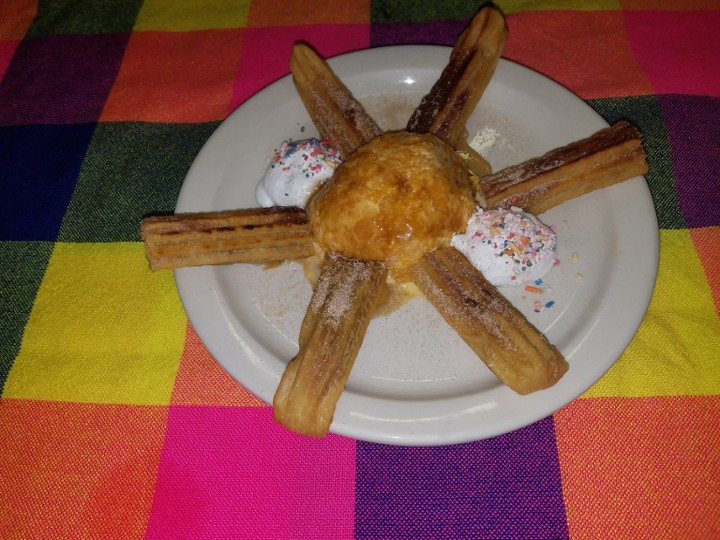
(256, 235)
(445, 110)
(514, 350)
(609, 156)
(333, 109)
(343, 302)
(348, 290)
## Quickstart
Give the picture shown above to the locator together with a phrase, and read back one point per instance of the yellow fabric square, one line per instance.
(103, 329)
(675, 351)
(188, 15)
(515, 6)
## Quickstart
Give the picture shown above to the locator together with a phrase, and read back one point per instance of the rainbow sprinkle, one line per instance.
(314, 154)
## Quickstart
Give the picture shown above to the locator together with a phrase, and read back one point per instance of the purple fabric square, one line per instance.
(436, 33)
(39, 167)
(60, 79)
(505, 487)
(693, 128)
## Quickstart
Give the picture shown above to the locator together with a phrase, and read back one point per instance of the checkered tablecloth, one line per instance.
(115, 421)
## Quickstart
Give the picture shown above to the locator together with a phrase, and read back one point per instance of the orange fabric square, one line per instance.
(16, 17)
(202, 381)
(268, 13)
(707, 245)
(586, 51)
(176, 77)
(77, 470)
(641, 467)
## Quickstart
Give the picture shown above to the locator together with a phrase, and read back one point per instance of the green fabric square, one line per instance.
(131, 169)
(644, 113)
(85, 17)
(392, 11)
(22, 266)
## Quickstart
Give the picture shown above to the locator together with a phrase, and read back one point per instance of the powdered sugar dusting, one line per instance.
(337, 290)
(484, 139)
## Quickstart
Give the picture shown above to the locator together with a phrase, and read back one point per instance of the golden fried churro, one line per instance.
(446, 108)
(256, 235)
(610, 156)
(514, 350)
(342, 304)
(333, 109)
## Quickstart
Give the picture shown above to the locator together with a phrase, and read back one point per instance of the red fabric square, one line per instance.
(7, 49)
(77, 470)
(641, 467)
(682, 5)
(176, 77)
(269, 13)
(707, 245)
(586, 51)
(202, 381)
(16, 17)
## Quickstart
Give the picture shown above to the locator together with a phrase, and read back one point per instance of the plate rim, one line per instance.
(183, 277)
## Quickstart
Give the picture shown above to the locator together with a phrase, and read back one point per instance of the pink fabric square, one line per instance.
(665, 44)
(266, 52)
(232, 472)
(7, 50)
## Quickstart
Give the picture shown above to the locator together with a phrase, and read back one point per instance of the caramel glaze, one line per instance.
(395, 199)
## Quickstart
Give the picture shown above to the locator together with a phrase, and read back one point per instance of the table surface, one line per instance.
(116, 422)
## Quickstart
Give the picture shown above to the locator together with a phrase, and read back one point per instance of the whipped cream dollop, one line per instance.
(296, 170)
(509, 246)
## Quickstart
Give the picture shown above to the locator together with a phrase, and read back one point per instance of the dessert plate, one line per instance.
(415, 382)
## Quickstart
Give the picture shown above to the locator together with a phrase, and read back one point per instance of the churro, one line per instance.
(333, 109)
(256, 235)
(343, 302)
(514, 350)
(445, 110)
(609, 156)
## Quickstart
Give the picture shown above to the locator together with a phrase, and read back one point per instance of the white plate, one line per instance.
(415, 382)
